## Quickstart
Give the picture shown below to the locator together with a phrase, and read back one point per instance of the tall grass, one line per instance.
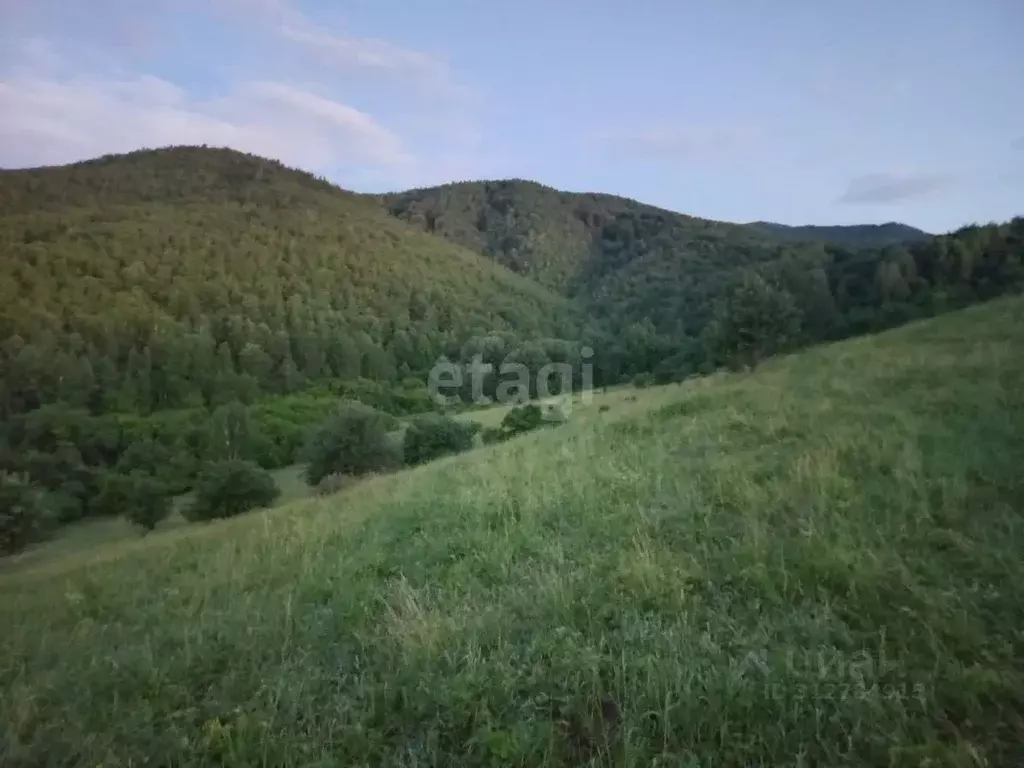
(815, 564)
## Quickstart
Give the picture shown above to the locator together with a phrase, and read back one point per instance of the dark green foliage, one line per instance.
(139, 496)
(190, 276)
(604, 409)
(853, 236)
(229, 488)
(654, 278)
(523, 418)
(643, 380)
(431, 436)
(353, 441)
(24, 517)
(755, 321)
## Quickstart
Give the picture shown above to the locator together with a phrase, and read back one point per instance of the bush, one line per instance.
(229, 488)
(643, 380)
(331, 484)
(434, 435)
(604, 409)
(23, 514)
(353, 441)
(141, 498)
(523, 418)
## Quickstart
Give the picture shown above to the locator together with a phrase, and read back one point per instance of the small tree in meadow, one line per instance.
(757, 320)
(137, 495)
(353, 441)
(229, 488)
(434, 435)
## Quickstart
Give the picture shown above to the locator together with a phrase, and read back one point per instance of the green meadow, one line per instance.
(820, 562)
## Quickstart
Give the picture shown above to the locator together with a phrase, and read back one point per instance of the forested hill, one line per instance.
(576, 242)
(186, 276)
(566, 241)
(168, 175)
(656, 277)
(850, 236)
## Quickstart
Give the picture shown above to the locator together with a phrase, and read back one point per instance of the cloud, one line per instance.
(885, 188)
(50, 121)
(365, 53)
(256, 75)
(345, 51)
(697, 140)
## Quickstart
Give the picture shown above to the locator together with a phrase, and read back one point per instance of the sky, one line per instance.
(796, 111)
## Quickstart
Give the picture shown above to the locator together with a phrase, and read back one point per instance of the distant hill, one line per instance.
(629, 262)
(655, 277)
(564, 240)
(608, 251)
(852, 236)
(185, 275)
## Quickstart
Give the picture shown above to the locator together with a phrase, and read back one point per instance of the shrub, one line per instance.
(147, 500)
(643, 380)
(228, 488)
(353, 441)
(137, 495)
(331, 484)
(604, 409)
(23, 514)
(523, 418)
(434, 435)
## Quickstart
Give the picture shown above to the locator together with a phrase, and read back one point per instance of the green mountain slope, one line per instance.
(661, 273)
(187, 275)
(851, 236)
(567, 241)
(818, 563)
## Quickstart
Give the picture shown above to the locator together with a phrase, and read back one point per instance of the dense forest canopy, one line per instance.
(185, 276)
(641, 269)
(851, 236)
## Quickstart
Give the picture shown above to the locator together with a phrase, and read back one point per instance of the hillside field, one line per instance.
(817, 563)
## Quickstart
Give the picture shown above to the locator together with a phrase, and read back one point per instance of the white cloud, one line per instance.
(365, 52)
(48, 121)
(885, 188)
(317, 96)
(345, 51)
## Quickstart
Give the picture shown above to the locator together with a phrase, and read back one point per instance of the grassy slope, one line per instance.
(815, 564)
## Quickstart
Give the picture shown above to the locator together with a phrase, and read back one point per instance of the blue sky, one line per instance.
(792, 111)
